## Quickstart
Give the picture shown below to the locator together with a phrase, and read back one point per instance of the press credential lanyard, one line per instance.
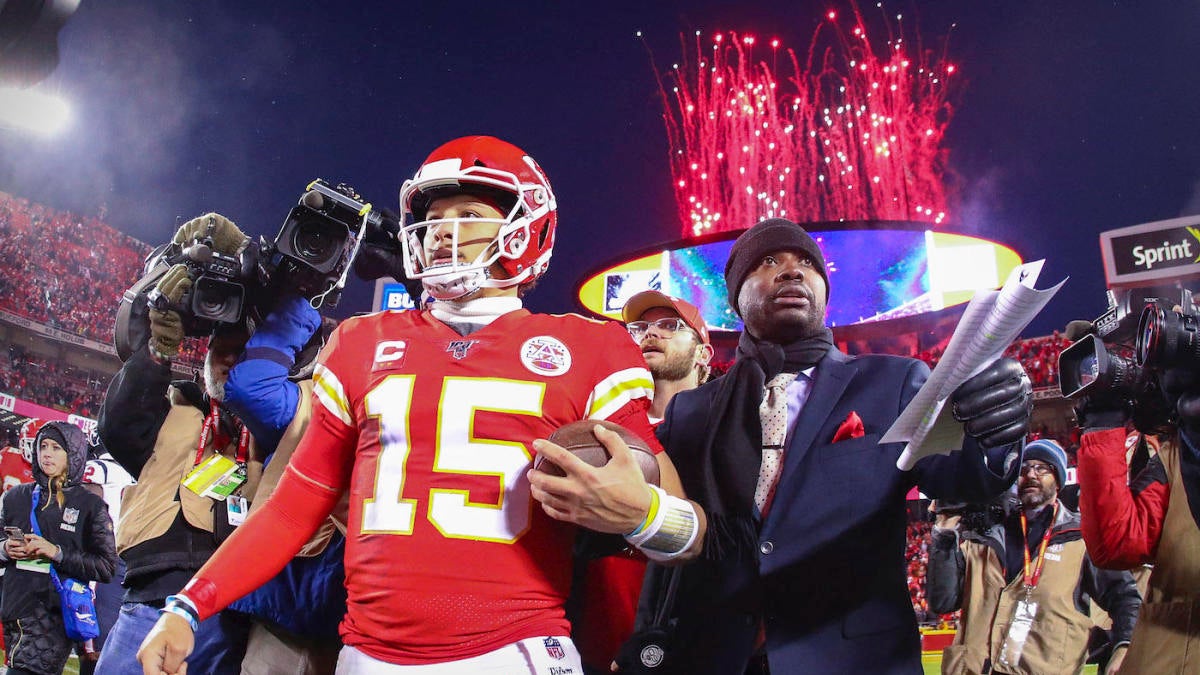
(218, 476)
(1031, 579)
(1025, 611)
(212, 425)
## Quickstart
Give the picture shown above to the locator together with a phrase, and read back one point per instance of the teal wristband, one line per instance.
(181, 607)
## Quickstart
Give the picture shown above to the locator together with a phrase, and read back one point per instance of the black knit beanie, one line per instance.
(766, 237)
(52, 432)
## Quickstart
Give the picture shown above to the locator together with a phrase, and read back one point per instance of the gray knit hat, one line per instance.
(766, 237)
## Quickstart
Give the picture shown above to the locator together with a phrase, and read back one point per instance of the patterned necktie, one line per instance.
(773, 413)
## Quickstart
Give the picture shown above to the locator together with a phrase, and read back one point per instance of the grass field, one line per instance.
(933, 665)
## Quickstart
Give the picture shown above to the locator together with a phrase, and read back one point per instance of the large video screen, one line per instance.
(874, 275)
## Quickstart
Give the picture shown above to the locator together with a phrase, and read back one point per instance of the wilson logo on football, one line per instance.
(545, 355)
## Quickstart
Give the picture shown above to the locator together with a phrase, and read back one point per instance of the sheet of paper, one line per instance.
(992, 320)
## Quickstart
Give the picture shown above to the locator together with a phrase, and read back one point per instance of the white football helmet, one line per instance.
(28, 437)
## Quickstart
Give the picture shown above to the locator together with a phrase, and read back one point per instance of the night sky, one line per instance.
(1075, 116)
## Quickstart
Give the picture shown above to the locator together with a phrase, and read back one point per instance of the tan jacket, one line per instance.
(1166, 639)
(1057, 639)
(150, 506)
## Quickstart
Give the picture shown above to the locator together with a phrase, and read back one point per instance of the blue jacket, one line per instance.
(828, 579)
(308, 597)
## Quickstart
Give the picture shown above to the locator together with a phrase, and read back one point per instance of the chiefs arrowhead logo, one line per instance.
(545, 355)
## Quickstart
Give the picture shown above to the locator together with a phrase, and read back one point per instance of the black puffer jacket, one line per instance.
(33, 629)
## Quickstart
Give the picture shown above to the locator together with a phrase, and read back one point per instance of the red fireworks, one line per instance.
(849, 134)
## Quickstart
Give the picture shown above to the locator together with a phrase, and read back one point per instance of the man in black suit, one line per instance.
(803, 567)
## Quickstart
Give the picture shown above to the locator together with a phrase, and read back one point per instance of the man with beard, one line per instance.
(1024, 582)
(674, 341)
(802, 567)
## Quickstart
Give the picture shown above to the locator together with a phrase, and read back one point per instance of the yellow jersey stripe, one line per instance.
(329, 392)
(614, 391)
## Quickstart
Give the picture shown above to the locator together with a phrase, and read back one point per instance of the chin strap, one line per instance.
(458, 285)
(454, 285)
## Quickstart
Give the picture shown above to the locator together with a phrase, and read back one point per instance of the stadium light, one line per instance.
(33, 110)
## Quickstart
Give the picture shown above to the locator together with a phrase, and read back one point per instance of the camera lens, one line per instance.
(315, 244)
(216, 300)
(1087, 368)
(1167, 339)
(1149, 332)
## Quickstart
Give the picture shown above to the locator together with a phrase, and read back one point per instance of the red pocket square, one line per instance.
(851, 428)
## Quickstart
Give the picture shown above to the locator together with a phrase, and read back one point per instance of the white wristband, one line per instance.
(670, 532)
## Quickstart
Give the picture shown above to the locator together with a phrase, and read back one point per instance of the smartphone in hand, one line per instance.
(15, 533)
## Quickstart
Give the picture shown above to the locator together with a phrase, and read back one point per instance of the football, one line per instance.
(578, 439)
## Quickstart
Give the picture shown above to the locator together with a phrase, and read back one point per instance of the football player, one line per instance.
(428, 420)
(16, 462)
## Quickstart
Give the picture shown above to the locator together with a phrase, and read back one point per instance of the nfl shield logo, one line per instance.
(70, 515)
(554, 648)
(458, 348)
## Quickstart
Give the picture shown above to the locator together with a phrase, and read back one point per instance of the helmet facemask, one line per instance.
(450, 276)
(28, 436)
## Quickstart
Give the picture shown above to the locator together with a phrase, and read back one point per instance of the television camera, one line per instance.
(1116, 360)
(310, 255)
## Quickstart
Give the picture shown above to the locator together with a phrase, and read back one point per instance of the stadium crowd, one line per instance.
(1039, 356)
(62, 270)
(51, 384)
(916, 552)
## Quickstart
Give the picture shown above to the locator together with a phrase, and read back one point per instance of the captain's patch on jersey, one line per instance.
(545, 355)
(389, 354)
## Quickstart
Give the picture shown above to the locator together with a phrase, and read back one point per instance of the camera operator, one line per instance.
(166, 434)
(1151, 519)
(1023, 579)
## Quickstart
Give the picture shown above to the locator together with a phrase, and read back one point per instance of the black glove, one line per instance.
(943, 539)
(1094, 413)
(994, 406)
(1181, 387)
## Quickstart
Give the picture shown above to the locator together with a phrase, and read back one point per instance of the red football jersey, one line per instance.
(447, 555)
(14, 468)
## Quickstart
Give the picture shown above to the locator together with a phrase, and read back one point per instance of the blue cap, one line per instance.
(1051, 453)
